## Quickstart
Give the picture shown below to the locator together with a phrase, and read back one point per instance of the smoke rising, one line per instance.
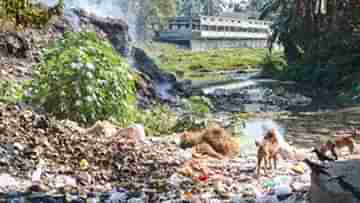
(131, 11)
(257, 129)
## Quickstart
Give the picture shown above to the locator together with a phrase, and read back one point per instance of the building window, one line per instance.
(212, 28)
(196, 27)
(204, 27)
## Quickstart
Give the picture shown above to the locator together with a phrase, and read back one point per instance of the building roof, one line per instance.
(241, 15)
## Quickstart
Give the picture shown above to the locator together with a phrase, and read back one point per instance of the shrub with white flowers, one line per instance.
(82, 77)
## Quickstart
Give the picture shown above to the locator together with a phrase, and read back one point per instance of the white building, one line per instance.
(206, 32)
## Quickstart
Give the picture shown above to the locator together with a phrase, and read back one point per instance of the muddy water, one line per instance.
(249, 92)
(256, 95)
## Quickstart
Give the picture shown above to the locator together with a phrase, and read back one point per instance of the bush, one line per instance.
(26, 13)
(11, 92)
(274, 65)
(159, 120)
(198, 114)
(198, 105)
(83, 78)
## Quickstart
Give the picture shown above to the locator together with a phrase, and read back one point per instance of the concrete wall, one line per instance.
(234, 22)
(206, 44)
(212, 32)
(176, 36)
(235, 35)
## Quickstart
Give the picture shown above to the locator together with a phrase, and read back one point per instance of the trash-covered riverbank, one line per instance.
(50, 158)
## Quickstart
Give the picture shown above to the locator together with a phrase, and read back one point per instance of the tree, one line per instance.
(319, 36)
(201, 7)
(159, 12)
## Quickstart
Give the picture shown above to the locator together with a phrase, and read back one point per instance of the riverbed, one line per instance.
(306, 116)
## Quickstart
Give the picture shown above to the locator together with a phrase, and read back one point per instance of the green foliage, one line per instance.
(160, 11)
(238, 122)
(11, 92)
(275, 65)
(321, 47)
(186, 63)
(197, 116)
(190, 121)
(26, 13)
(222, 59)
(83, 78)
(200, 7)
(159, 120)
(198, 105)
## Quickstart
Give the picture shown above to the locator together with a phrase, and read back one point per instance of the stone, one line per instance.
(250, 108)
(221, 190)
(237, 199)
(117, 197)
(136, 200)
(140, 132)
(283, 192)
(268, 199)
(14, 44)
(84, 178)
(249, 191)
(321, 131)
(147, 65)
(300, 187)
(64, 181)
(332, 190)
(7, 181)
(40, 188)
(19, 146)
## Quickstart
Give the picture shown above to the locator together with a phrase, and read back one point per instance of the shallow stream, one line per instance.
(250, 93)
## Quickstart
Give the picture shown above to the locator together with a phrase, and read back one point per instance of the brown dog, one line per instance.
(214, 141)
(268, 151)
(338, 143)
